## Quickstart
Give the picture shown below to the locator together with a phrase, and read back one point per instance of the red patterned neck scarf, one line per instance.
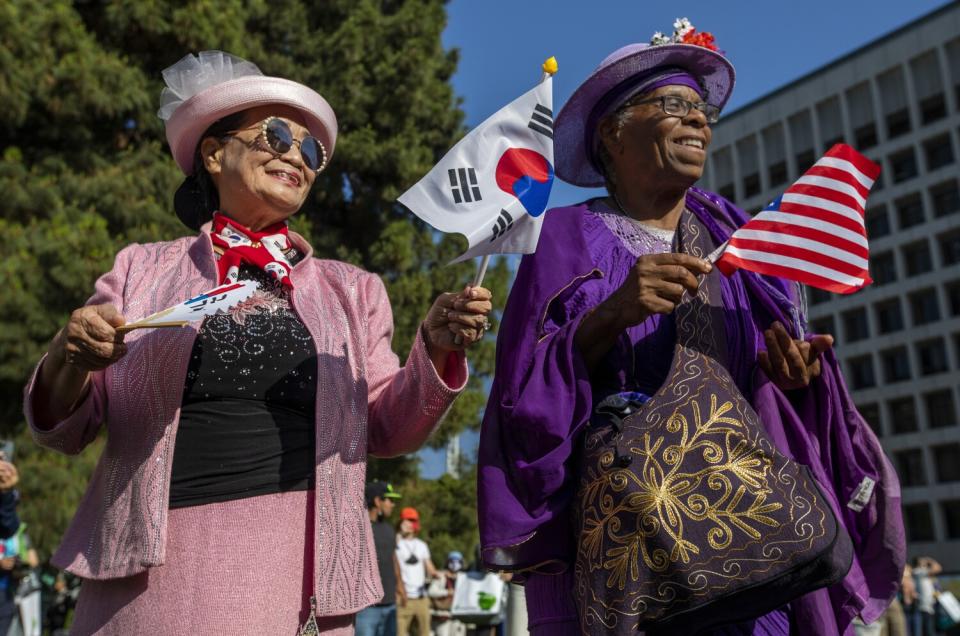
(237, 244)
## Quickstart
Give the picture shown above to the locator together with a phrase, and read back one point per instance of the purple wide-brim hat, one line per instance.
(192, 118)
(572, 142)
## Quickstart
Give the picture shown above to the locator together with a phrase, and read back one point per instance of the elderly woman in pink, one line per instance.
(229, 497)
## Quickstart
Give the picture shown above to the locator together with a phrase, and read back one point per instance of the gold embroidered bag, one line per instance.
(688, 517)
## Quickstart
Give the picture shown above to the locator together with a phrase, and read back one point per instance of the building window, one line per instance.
(953, 297)
(938, 152)
(903, 415)
(778, 173)
(918, 522)
(805, 160)
(946, 199)
(903, 165)
(871, 415)
(751, 185)
(910, 467)
(916, 257)
(933, 356)
(882, 268)
(824, 325)
(889, 315)
(941, 411)
(727, 192)
(896, 365)
(933, 108)
(950, 248)
(861, 372)
(947, 460)
(855, 325)
(877, 221)
(898, 123)
(909, 211)
(924, 306)
(817, 296)
(866, 136)
(951, 517)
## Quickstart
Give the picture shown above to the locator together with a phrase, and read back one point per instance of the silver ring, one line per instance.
(486, 325)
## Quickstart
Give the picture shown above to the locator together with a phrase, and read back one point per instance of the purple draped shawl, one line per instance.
(542, 397)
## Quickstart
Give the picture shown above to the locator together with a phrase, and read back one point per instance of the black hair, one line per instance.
(197, 199)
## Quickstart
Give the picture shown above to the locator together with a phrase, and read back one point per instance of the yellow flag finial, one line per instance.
(550, 66)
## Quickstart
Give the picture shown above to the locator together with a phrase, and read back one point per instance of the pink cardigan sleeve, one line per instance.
(71, 435)
(405, 403)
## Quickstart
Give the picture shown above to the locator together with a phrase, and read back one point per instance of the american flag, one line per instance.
(814, 232)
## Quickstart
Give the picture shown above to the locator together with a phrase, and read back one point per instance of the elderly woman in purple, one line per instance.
(592, 314)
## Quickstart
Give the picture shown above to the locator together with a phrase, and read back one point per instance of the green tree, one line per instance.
(85, 170)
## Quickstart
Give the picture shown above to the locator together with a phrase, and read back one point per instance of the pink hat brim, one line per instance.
(570, 137)
(195, 115)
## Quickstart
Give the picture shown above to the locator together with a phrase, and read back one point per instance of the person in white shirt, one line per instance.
(415, 566)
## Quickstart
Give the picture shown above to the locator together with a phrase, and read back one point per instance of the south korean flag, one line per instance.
(493, 186)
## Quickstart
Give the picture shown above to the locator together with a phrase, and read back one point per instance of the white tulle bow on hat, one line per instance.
(204, 88)
(196, 73)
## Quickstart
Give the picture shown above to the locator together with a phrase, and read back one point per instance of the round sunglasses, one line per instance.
(278, 138)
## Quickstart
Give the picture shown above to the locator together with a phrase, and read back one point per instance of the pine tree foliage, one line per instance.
(84, 167)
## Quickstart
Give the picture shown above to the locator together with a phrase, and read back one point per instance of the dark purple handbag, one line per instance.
(688, 517)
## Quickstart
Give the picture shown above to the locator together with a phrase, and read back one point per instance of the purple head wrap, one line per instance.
(630, 88)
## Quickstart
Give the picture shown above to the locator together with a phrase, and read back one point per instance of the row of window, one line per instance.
(924, 308)
(901, 413)
(916, 258)
(918, 520)
(938, 152)
(911, 465)
(909, 210)
(895, 363)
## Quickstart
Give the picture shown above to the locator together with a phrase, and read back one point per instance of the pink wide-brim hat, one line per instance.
(572, 141)
(192, 118)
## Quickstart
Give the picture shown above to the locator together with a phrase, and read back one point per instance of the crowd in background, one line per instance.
(420, 598)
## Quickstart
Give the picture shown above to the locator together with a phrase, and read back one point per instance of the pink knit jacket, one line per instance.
(366, 403)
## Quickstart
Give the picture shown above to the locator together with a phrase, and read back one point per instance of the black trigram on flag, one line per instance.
(463, 185)
(503, 224)
(541, 120)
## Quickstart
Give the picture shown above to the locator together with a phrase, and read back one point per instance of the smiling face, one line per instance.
(257, 187)
(646, 144)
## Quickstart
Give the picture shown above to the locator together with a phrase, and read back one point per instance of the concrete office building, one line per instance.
(896, 100)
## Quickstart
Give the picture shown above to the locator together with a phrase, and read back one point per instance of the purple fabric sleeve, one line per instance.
(525, 485)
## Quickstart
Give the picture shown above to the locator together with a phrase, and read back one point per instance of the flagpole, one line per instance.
(549, 67)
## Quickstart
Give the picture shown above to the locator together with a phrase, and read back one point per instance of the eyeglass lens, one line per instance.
(280, 138)
(680, 107)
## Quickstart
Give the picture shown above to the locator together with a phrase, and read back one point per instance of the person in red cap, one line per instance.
(415, 566)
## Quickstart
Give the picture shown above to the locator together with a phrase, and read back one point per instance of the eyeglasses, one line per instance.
(278, 138)
(679, 107)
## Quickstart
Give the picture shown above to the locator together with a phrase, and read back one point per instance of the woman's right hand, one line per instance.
(90, 341)
(655, 285)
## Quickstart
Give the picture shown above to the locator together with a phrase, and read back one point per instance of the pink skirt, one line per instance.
(229, 570)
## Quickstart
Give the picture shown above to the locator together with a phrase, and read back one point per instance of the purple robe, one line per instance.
(542, 397)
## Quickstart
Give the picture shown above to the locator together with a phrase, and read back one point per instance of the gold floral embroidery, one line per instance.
(663, 496)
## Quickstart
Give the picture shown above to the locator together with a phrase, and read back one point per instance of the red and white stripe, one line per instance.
(816, 234)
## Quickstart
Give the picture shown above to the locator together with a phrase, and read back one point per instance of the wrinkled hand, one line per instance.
(8, 475)
(457, 321)
(90, 341)
(789, 363)
(655, 285)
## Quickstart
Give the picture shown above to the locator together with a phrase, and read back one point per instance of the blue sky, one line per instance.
(502, 45)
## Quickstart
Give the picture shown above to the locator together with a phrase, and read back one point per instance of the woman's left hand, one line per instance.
(791, 364)
(457, 321)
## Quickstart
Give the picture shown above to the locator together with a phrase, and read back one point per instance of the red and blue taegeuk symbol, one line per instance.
(527, 175)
